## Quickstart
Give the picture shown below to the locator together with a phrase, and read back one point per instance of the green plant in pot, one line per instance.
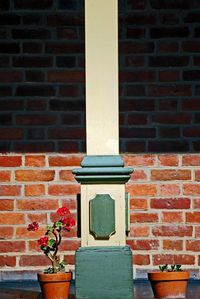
(54, 282)
(170, 282)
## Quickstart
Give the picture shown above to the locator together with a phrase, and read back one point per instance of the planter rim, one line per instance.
(67, 276)
(165, 276)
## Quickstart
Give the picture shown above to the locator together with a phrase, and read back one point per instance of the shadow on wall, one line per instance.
(42, 94)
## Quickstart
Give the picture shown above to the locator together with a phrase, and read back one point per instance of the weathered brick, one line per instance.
(191, 189)
(168, 160)
(37, 204)
(169, 190)
(170, 203)
(35, 160)
(139, 175)
(193, 217)
(191, 160)
(141, 259)
(34, 190)
(172, 174)
(6, 204)
(142, 189)
(12, 246)
(138, 204)
(5, 176)
(146, 244)
(34, 175)
(143, 217)
(66, 175)
(6, 232)
(173, 245)
(11, 218)
(33, 260)
(192, 245)
(7, 261)
(63, 189)
(7, 190)
(141, 231)
(172, 231)
(182, 259)
(68, 160)
(172, 217)
(139, 160)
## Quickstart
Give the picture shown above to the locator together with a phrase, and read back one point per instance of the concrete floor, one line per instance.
(31, 290)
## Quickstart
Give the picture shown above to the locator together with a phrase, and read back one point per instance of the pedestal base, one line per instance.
(104, 273)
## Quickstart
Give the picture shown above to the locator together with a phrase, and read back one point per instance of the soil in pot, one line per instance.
(169, 285)
(55, 286)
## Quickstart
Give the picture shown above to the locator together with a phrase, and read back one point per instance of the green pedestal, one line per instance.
(104, 273)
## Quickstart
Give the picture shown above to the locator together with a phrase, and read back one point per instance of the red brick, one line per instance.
(196, 203)
(41, 218)
(172, 217)
(170, 203)
(11, 218)
(33, 246)
(141, 259)
(66, 76)
(168, 76)
(193, 105)
(12, 246)
(197, 231)
(36, 161)
(173, 245)
(197, 175)
(33, 4)
(37, 204)
(142, 189)
(23, 233)
(69, 259)
(142, 76)
(173, 119)
(11, 133)
(191, 160)
(136, 47)
(139, 231)
(67, 133)
(34, 260)
(34, 190)
(191, 189)
(70, 245)
(144, 217)
(138, 175)
(9, 77)
(168, 160)
(5, 176)
(63, 189)
(168, 46)
(173, 231)
(6, 204)
(71, 203)
(34, 175)
(6, 232)
(7, 261)
(6, 190)
(193, 245)
(139, 160)
(182, 259)
(169, 190)
(178, 90)
(66, 175)
(193, 217)
(171, 174)
(146, 244)
(191, 46)
(138, 204)
(10, 161)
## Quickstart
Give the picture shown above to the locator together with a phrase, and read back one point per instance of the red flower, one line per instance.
(43, 241)
(63, 211)
(68, 223)
(33, 226)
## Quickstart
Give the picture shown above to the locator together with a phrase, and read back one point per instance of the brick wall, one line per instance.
(42, 76)
(164, 201)
(42, 126)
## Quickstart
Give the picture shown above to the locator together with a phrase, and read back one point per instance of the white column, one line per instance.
(102, 77)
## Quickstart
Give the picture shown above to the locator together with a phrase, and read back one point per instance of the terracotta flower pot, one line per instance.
(55, 286)
(168, 285)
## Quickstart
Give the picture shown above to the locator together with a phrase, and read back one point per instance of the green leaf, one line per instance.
(51, 242)
(58, 224)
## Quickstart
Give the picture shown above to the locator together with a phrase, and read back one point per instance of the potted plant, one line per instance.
(169, 282)
(54, 282)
